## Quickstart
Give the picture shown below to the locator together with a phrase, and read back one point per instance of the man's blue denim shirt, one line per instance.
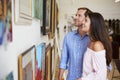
(74, 47)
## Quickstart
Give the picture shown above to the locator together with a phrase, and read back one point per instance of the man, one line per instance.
(74, 46)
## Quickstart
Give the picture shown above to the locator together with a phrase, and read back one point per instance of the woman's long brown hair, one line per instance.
(98, 32)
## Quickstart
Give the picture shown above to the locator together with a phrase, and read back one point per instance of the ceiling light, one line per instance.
(117, 1)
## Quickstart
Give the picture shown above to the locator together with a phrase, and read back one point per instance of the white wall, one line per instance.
(23, 38)
(108, 8)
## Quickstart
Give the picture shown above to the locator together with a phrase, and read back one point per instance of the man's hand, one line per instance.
(61, 71)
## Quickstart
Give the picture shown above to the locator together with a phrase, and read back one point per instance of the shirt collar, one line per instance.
(76, 33)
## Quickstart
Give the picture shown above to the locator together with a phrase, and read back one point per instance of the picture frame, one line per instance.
(3, 9)
(48, 64)
(37, 9)
(23, 12)
(45, 29)
(40, 61)
(26, 64)
(56, 62)
(52, 18)
(56, 15)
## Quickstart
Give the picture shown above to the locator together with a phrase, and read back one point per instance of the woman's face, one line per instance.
(86, 27)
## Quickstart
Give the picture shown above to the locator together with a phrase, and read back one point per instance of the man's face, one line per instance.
(79, 18)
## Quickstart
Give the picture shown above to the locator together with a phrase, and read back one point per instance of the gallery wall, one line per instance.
(24, 36)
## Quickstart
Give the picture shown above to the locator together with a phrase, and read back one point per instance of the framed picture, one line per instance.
(56, 15)
(2, 9)
(26, 64)
(23, 12)
(40, 61)
(53, 19)
(5, 21)
(37, 9)
(48, 75)
(46, 17)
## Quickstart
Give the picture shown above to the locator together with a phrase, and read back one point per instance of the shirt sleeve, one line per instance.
(109, 67)
(99, 67)
(64, 55)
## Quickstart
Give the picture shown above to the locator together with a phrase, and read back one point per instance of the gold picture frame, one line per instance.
(48, 64)
(26, 64)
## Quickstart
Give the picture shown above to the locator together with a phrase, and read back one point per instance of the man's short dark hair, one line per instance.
(87, 10)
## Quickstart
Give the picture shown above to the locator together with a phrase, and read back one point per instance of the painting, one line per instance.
(46, 17)
(40, 62)
(48, 75)
(26, 64)
(37, 9)
(23, 12)
(5, 21)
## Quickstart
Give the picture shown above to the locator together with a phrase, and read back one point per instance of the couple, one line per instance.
(86, 52)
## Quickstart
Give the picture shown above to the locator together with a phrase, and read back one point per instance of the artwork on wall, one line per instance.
(10, 76)
(37, 9)
(46, 16)
(26, 64)
(40, 62)
(23, 12)
(5, 21)
(52, 27)
(48, 64)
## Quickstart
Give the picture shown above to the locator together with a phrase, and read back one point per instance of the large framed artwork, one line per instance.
(40, 61)
(46, 17)
(5, 21)
(53, 19)
(26, 64)
(23, 12)
(37, 9)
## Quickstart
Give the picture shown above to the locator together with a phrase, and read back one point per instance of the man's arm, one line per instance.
(61, 71)
(64, 59)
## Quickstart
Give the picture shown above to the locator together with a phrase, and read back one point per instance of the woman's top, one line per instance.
(94, 65)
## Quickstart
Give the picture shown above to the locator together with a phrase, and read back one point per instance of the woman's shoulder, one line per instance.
(98, 46)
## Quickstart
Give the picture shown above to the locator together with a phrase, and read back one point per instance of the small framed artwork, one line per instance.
(2, 9)
(5, 21)
(53, 19)
(37, 9)
(26, 64)
(23, 12)
(46, 17)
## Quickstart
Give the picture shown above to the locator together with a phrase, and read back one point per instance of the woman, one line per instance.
(98, 54)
